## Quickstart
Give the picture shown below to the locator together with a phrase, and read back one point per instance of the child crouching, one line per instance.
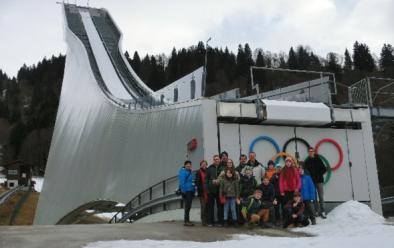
(294, 212)
(255, 210)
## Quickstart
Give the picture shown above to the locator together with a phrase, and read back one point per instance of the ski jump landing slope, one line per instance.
(112, 138)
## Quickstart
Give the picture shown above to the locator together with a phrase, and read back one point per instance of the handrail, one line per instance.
(128, 210)
(19, 205)
(6, 195)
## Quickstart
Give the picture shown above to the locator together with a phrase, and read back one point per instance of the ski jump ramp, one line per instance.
(114, 137)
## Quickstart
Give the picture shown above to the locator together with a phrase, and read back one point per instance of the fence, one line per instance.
(156, 197)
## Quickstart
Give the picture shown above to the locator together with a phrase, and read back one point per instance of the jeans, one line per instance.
(230, 204)
(203, 205)
(320, 193)
(212, 198)
(188, 199)
(309, 209)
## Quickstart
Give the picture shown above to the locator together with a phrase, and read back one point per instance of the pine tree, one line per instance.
(333, 65)
(260, 61)
(303, 58)
(292, 60)
(314, 62)
(172, 70)
(386, 61)
(348, 61)
(136, 63)
(146, 70)
(362, 58)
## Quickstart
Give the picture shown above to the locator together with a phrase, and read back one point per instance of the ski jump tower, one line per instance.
(114, 137)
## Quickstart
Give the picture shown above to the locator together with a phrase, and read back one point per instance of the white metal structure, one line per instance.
(104, 151)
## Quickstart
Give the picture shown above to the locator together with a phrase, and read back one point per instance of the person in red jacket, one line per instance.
(289, 180)
(202, 190)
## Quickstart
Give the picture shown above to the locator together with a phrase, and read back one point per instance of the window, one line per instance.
(13, 172)
(192, 89)
(175, 94)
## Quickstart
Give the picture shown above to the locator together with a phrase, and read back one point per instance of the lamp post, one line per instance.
(204, 83)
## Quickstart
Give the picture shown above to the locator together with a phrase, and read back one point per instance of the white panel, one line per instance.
(372, 173)
(296, 112)
(342, 115)
(229, 141)
(359, 165)
(248, 110)
(264, 150)
(361, 115)
(210, 130)
(229, 109)
(184, 87)
(339, 186)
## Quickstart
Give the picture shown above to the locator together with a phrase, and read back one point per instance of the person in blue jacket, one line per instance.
(308, 194)
(186, 185)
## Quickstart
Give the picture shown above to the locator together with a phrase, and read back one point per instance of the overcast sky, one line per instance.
(32, 29)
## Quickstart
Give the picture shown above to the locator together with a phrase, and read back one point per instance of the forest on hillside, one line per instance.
(29, 101)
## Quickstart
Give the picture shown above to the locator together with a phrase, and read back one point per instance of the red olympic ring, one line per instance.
(339, 148)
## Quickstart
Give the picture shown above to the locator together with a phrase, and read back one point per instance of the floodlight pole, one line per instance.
(204, 83)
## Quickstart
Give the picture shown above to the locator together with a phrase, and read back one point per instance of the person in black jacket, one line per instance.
(316, 168)
(202, 191)
(268, 191)
(243, 162)
(213, 184)
(247, 184)
(223, 159)
(279, 206)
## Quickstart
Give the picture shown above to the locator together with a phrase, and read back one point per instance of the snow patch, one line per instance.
(107, 215)
(39, 182)
(38, 186)
(354, 213)
(351, 218)
(350, 225)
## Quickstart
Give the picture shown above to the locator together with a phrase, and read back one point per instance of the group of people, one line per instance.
(254, 193)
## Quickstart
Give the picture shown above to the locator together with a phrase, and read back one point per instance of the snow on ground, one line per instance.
(39, 182)
(106, 216)
(2, 180)
(37, 186)
(352, 224)
(171, 215)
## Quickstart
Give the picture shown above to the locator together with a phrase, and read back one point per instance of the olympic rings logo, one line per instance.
(280, 153)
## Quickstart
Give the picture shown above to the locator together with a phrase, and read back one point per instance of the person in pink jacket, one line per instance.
(289, 180)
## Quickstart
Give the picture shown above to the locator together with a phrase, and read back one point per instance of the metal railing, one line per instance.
(288, 89)
(159, 194)
(372, 94)
(6, 195)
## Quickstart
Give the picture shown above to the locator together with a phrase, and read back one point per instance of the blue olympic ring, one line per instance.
(264, 138)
